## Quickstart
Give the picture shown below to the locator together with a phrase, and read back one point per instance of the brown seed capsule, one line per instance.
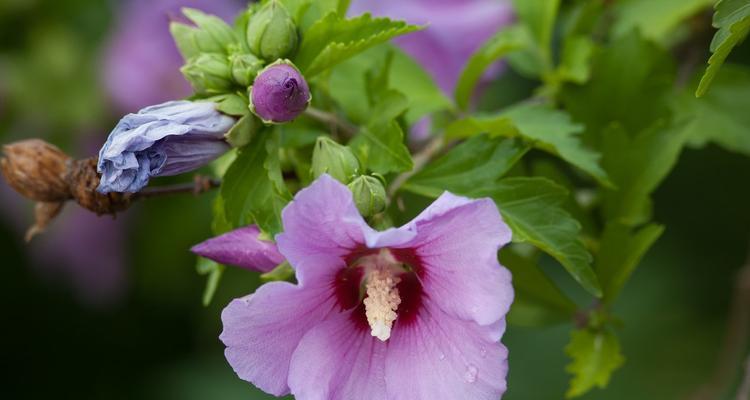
(36, 169)
(83, 180)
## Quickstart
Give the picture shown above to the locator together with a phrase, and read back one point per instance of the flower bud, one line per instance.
(36, 170)
(209, 73)
(279, 93)
(369, 195)
(244, 68)
(271, 32)
(333, 159)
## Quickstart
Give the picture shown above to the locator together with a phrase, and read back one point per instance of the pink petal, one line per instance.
(261, 331)
(321, 225)
(338, 360)
(440, 357)
(243, 248)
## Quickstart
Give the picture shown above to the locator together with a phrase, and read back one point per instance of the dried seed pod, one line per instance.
(36, 169)
(83, 180)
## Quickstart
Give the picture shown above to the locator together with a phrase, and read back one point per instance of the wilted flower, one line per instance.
(457, 28)
(280, 93)
(161, 140)
(36, 169)
(410, 313)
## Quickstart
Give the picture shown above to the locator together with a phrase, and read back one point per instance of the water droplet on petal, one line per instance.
(470, 376)
(442, 356)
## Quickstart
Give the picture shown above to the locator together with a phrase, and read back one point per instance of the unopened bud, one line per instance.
(369, 195)
(333, 159)
(271, 32)
(244, 68)
(279, 93)
(209, 73)
(36, 170)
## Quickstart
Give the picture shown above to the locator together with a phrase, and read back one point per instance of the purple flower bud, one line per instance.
(161, 140)
(280, 93)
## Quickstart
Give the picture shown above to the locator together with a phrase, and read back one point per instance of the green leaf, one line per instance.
(538, 18)
(382, 139)
(474, 163)
(538, 302)
(209, 35)
(732, 18)
(231, 104)
(620, 250)
(282, 272)
(595, 356)
(635, 94)
(251, 187)
(656, 20)
(532, 207)
(334, 39)
(214, 271)
(721, 115)
(637, 165)
(242, 132)
(575, 63)
(544, 128)
(504, 42)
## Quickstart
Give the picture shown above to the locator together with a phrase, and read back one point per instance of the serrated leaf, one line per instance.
(538, 302)
(732, 18)
(532, 207)
(595, 356)
(334, 39)
(656, 20)
(721, 115)
(620, 250)
(637, 164)
(544, 128)
(250, 188)
(504, 42)
(477, 162)
(382, 139)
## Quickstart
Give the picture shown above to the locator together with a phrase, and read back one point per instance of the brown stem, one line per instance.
(333, 121)
(201, 184)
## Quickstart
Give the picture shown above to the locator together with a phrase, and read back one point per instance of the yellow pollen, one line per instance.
(381, 302)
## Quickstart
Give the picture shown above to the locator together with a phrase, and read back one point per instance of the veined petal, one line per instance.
(321, 226)
(261, 331)
(243, 248)
(440, 357)
(338, 360)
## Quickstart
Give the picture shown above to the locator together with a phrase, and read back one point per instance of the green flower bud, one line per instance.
(333, 159)
(209, 73)
(244, 68)
(271, 32)
(369, 195)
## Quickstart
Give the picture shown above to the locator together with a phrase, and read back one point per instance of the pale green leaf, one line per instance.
(732, 18)
(655, 19)
(575, 63)
(595, 356)
(214, 271)
(532, 207)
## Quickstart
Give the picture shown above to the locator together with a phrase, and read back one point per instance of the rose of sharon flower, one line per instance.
(279, 93)
(410, 313)
(161, 140)
(456, 29)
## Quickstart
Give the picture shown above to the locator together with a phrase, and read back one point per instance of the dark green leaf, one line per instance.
(538, 19)
(575, 64)
(475, 163)
(595, 356)
(732, 18)
(532, 207)
(334, 39)
(656, 20)
(504, 42)
(538, 301)
(620, 250)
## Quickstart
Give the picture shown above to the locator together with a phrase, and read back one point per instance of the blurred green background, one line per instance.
(103, 309)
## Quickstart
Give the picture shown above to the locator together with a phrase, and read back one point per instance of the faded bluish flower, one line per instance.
(456, 29)
(243, 248)
(141, 64)
(161, 140)
(279, 93)
(410, 313)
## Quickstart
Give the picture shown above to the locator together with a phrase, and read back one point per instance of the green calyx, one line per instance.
(334, 159)
(271, 32)
(209, 73)
(369, 195)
